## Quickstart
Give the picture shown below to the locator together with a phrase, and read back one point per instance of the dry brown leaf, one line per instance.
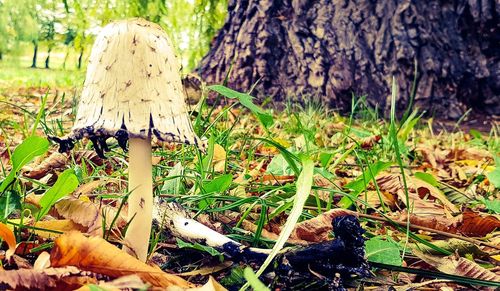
(87, 188)
(59, 225)
(417, 190)
(35, 279)
(317, 229)
(474, 224)
(440, 223)
(459, 266)
(122, 283)
(469, 223)
(56, 161)
(88, 214)
(99, 256)
(8, 236)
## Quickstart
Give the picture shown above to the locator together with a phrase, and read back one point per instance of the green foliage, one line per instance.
(359, 185)
(253, 280)
(279, 166)
(246, 100)
(383, 251)
(25, 152)
(196, 246)
(494, 176)
(66, 183)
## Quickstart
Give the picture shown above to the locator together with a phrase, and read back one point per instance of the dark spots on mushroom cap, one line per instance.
(150, 65)
(134, 40)
(129, 82)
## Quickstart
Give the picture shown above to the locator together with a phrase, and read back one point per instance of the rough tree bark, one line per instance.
(334, 49)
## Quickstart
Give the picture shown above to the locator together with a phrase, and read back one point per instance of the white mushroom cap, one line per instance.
(132, 88)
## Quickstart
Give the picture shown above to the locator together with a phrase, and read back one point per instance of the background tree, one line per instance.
(334, 49)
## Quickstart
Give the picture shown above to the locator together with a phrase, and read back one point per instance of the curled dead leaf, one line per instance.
(99, 256)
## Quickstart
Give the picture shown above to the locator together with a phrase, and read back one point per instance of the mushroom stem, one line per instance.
(140, 201)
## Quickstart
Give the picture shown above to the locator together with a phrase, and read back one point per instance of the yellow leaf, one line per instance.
(8, 236)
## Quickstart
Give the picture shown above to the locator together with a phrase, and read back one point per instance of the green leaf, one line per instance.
(173, 182)
(245, 100)
(360, 184)
(279, 166)
(66, 183)
(426, 177)
(25, 152)
(196, 246)
(219, 184)
(253, 280)
(382, 251)
(494, 176)
(9, 202)
(304, 185)
(492, 205)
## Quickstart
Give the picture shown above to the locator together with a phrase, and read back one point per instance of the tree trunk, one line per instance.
(80, 57)
(333, 49)
(47, 59)
(1, 56)
(66, 55)
(35, 53)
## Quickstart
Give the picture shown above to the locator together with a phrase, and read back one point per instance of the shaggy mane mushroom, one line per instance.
(132, 92)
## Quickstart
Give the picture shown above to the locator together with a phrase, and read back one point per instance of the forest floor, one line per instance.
(425, 192)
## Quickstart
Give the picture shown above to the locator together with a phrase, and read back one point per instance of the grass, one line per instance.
(16, 73)
(261, 156)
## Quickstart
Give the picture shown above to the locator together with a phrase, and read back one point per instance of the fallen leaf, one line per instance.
(32, 279)
(89, 215)
(317, 229)
(56, 161)
(8, 236)
(58, 226)
(474, 224)
(219, 159)
(459, 266)
(87, 188)
(122, 283)
(99, 256)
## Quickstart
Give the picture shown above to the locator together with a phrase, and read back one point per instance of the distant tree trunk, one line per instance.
(47, 59)
(1, 56)
(35, 53)
(80, 57)
(330, 49)
(66, 55)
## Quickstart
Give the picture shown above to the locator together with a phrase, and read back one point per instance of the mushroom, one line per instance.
(133, 92)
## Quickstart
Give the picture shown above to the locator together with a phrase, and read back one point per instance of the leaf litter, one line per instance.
(246, 191)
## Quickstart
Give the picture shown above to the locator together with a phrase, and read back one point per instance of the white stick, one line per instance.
(140, 201)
